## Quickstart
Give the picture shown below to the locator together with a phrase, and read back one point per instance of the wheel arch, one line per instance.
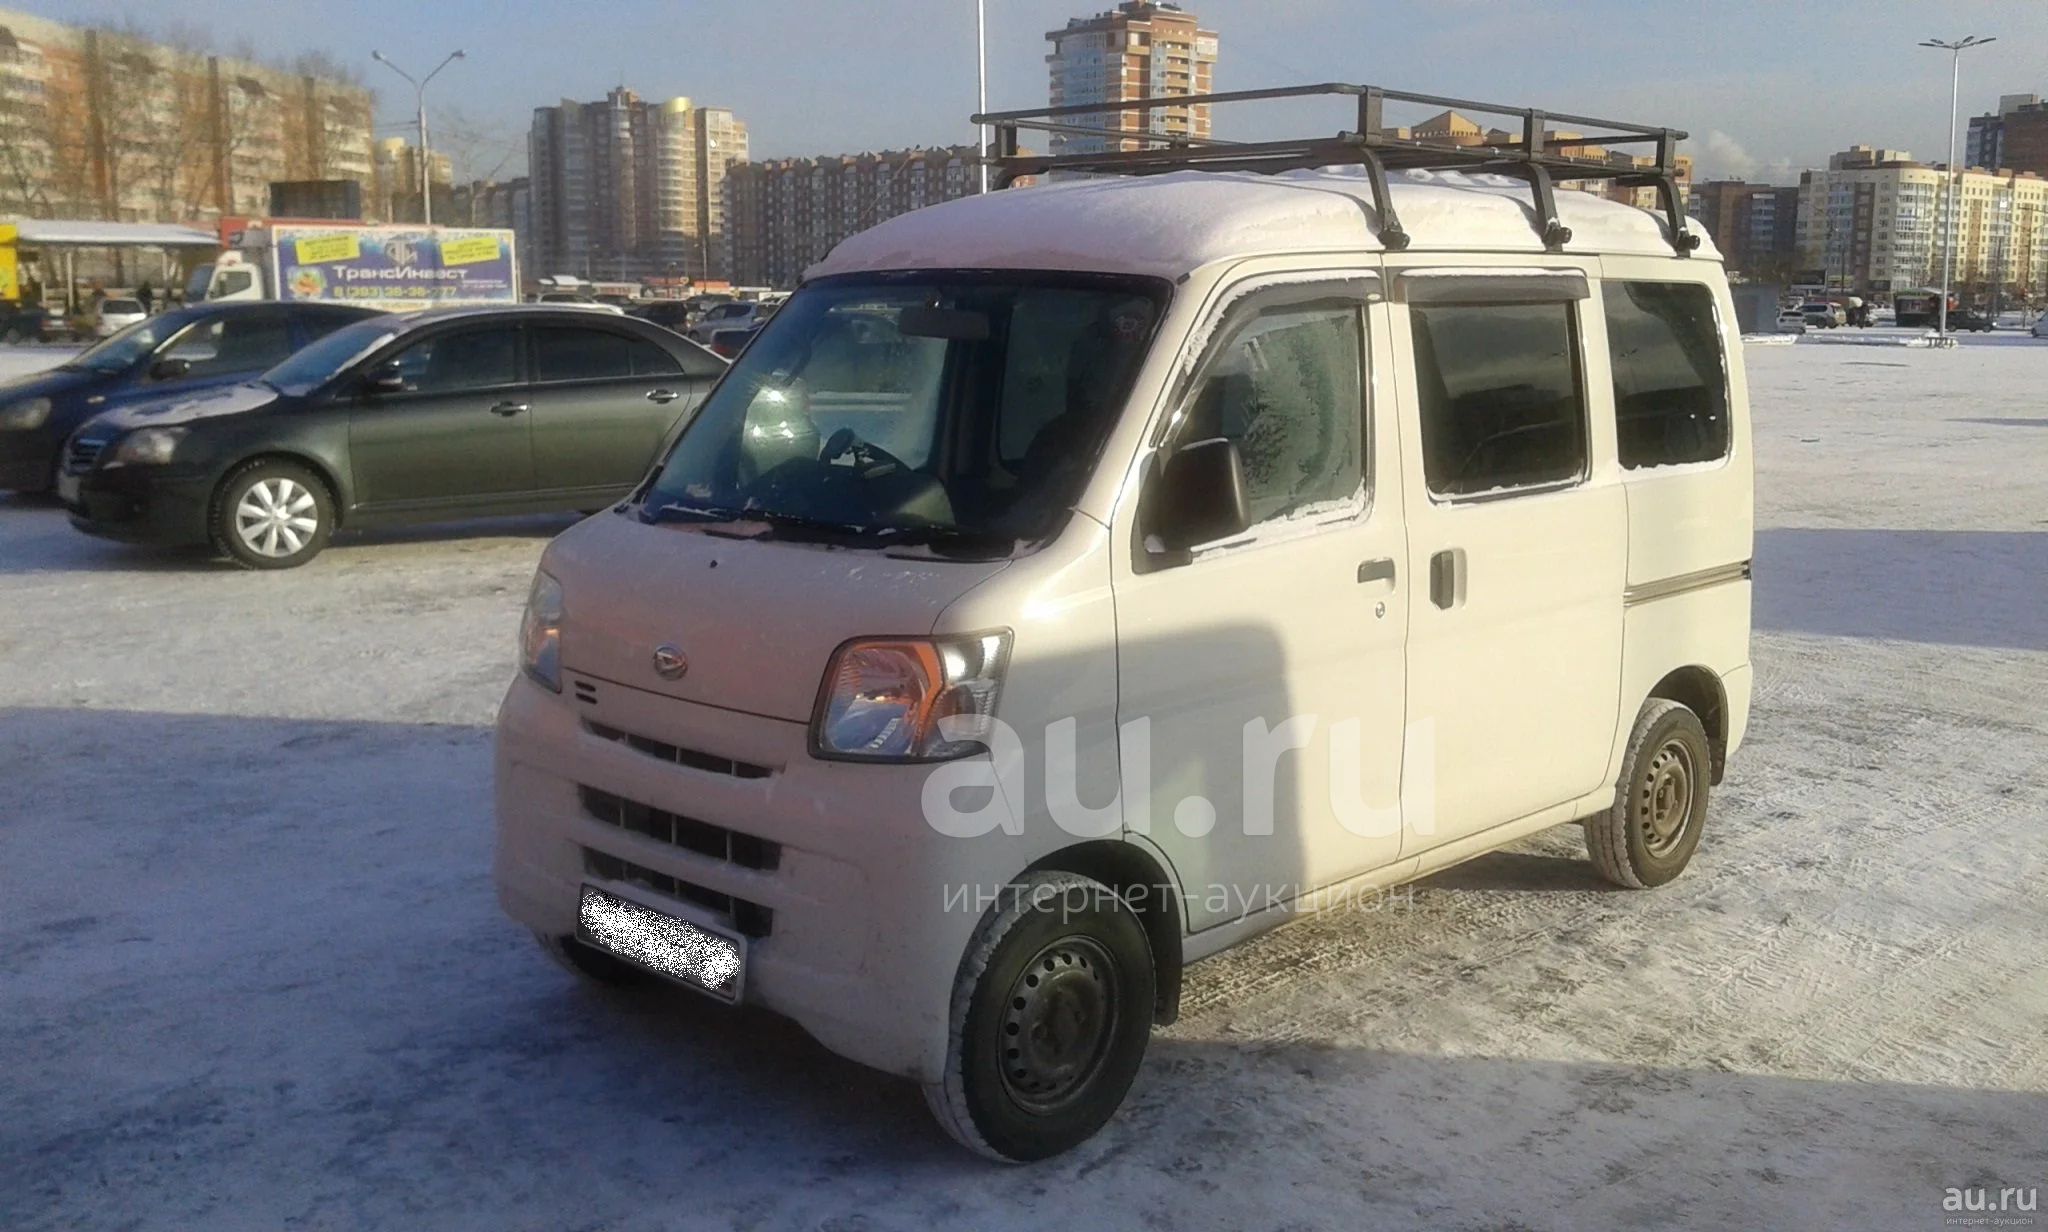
(1700, 690)
(1147, 889)
(336, 493)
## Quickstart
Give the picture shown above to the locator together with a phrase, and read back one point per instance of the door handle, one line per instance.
(662, 395)
(1381, 570)
(509, 408)
(1447, 578)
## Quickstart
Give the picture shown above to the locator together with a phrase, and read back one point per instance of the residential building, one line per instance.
(1875, 220)
(2014, 137)
(397, 164)
(1756, 226)
(624, 188)
(786, 214)
(1137, 50)
(100, 124)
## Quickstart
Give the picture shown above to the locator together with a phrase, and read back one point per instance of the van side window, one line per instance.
(1500, 396)
(1670, 388)
(1289, 389)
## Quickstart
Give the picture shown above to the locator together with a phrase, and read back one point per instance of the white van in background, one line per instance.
(1071, 583)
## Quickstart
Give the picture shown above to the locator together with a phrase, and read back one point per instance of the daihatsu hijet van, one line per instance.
(1074, 581)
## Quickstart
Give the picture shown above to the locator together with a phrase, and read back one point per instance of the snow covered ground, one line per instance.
(252, 976)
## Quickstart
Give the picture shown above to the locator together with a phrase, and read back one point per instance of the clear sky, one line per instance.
(1765, 86)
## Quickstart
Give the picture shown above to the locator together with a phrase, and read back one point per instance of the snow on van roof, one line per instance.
(1168, 225)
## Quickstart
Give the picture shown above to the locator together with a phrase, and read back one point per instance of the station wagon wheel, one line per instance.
(1051, 1013)
(1649, 834)
(272, 514)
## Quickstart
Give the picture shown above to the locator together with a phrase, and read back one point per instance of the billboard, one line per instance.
(395, 267)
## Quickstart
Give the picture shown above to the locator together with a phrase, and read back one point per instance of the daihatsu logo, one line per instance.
(670, 662)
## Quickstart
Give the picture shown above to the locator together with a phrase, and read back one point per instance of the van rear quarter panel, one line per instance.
(1685, 520)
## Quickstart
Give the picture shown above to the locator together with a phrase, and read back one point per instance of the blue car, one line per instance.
(181, 351)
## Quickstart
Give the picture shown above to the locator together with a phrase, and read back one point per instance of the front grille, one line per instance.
(687, 833)
(750, 919)
(695, 760)
(82, 453)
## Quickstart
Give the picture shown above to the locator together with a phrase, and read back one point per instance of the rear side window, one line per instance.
(1501, 400)
(563, 353)
(1670, 386)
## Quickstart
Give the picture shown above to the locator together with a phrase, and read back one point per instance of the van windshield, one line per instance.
(961, 411)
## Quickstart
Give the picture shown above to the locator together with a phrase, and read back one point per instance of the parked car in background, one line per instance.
(673, 314)
(733, 314)
(1792, 320)
(2041, 326)
(1969, 320)
(1821, 315)
(572, 299)
(21, 323)
(112, 316)
(431, 415)
(728, 343)
(183, 351)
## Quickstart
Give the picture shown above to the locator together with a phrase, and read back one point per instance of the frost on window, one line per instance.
(1501, 402)
(1287, 389)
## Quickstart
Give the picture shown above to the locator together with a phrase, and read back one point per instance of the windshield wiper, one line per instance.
(782, 523)
(951, 540)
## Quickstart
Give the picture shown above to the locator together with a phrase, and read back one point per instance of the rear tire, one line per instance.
(1052, 1011)
(272, 514)
(1649, 834)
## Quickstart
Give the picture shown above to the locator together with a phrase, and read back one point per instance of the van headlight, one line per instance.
(24, 415)
(886, 699)
(540, 633)
(148, 447)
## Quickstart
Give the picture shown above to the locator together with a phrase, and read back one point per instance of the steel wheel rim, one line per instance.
(1058, 1023)
(276, 517)
(1665, 797)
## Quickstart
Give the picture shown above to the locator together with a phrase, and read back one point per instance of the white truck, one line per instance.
(396, 268)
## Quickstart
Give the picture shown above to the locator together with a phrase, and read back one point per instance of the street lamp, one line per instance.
(419, 87)
(1955, 90)
(981, 78)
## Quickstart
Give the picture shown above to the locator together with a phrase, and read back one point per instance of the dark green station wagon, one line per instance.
(450, 413)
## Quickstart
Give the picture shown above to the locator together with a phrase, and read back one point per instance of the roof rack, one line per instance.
(1540, 159)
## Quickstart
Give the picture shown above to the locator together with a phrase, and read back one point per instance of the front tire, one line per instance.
(1052, 1010)
(272, 514)
(1660, 802)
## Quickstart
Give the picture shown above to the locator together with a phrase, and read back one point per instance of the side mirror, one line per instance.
(385, 378)
(1199, 496)
(170, 369)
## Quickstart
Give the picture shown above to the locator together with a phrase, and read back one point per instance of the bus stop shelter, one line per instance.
(58, 241)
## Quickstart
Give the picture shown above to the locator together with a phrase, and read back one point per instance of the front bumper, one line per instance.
(142, 504)
(852, 933)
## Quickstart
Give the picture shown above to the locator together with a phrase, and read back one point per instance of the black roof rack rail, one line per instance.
(1536, 157)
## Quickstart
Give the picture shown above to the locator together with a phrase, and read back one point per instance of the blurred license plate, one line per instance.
(669, 945)
(67, 489)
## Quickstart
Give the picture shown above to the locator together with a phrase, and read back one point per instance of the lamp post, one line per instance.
(981, 79)
(419, 87)
(1955, 90)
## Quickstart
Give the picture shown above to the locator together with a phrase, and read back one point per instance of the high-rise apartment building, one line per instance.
(99, 124)
(1875, 220)
(788, 213)
(625, 188)
(398, 180)
(2014, 138)
(1755, 226)
(1137, 50)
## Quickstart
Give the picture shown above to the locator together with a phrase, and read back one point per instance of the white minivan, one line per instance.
(1074, 581)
